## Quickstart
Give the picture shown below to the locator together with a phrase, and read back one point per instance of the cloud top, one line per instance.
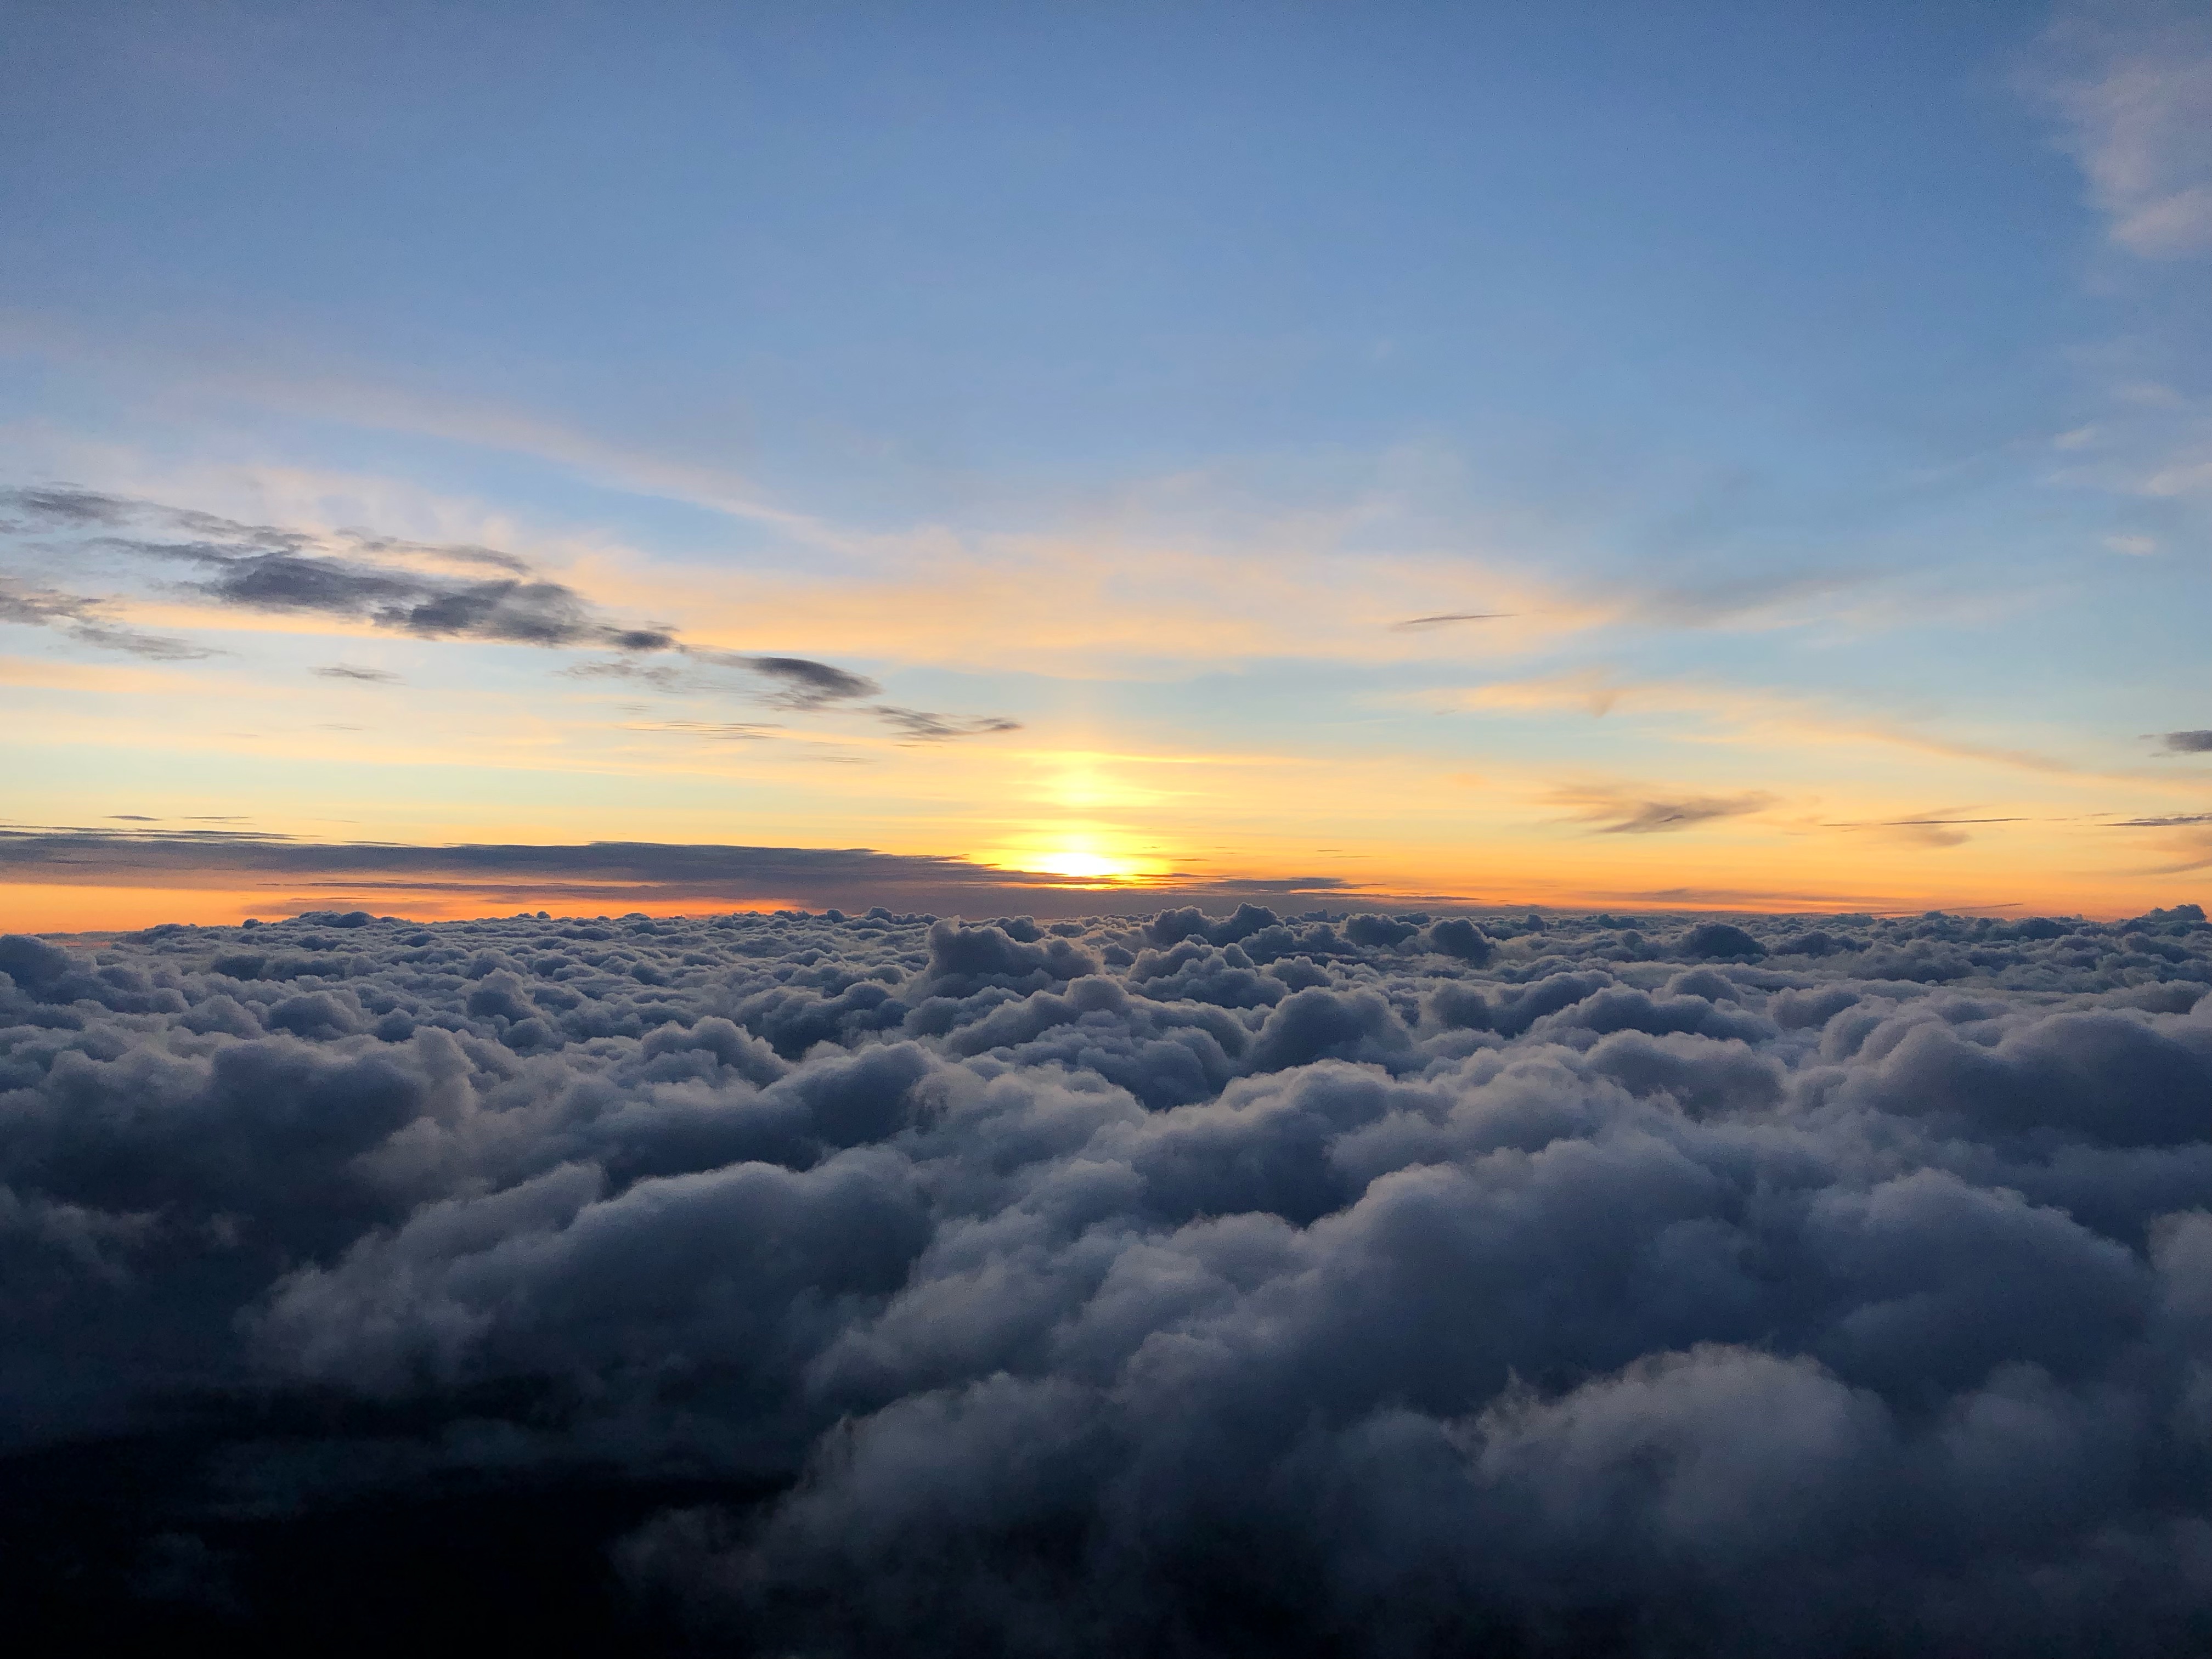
(1213, 1282)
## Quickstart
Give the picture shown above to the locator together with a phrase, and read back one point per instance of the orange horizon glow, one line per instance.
(1076, 879)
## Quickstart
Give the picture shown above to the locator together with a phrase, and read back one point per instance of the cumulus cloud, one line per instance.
(1347, 1283)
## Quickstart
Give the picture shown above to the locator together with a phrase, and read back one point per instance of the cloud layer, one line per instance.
(1342, 1284)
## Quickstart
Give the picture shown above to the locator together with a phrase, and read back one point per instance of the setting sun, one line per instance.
(1083, 866)
(1102, 857)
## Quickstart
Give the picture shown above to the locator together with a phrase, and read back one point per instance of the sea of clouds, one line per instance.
(1348, 1286)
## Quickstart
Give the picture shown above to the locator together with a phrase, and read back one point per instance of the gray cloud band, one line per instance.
(352, 575)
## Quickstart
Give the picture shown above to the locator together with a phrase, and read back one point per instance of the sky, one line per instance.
(980, 458)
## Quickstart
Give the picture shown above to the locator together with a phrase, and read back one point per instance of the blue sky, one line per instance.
(1124, 371)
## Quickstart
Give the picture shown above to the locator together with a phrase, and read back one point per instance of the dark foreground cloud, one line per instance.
(1343, 1284)
(2186, 742)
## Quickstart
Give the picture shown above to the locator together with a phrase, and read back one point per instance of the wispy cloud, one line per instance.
(800, 682)
(1940, 828)
(2132, 87)
(82, 619)
(1621, 810)
(431, 590)
(1747, 711)
(1414, 623)
(600, 874)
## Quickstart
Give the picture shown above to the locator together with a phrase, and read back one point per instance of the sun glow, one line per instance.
(1083, 866)
(1085, 858)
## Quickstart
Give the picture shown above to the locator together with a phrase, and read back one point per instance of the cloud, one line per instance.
(80, 618)
(1755, 714)
(799, 685)
(2132, 86)
(1938, 829)
(1413, 624)
(340, 671)
(432, 591)
(2186, 742)
(64, 504)
(2170, 822)
(919, 725)
(720, 731)
(800, 682)
(1617, 810)
(508, 609)
(302, 873)
(268, 568)
(866, 1283)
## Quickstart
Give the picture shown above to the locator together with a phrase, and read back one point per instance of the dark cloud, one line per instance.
(2171, 821)
(358, 575)
(919, 725)
(509, 609)
(1898, 824)
(2186, 742)
(80, 618)
(1343, 1284)
(798, 684)
(268, 567)
(1615, 812)
(340, 671)
(617, 873)
(65, 505)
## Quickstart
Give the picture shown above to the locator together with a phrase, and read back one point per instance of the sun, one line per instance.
(1085, 857)
(1083, 866)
